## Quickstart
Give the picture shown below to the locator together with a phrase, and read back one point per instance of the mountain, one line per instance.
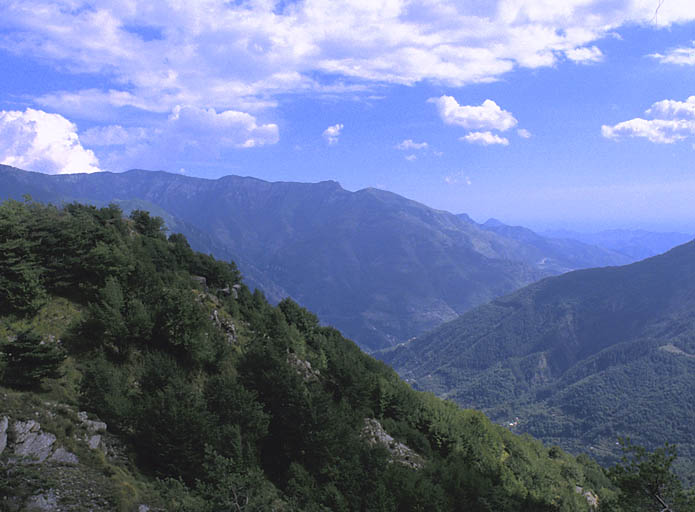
(136, 374)
(378, 266)
(578, 359)
(558, 254)
(637, 244)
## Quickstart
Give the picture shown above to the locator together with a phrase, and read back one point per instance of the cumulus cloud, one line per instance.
(38, 141)
(409, 145)
(523, 133)
(672, 121)
(484, 139)
(332, 133)
(487, 116)
(205, 127)
(239, 55)
(585, 55)
(681, 56)
(411, 158)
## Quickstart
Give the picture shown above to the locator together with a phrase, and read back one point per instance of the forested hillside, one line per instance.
(577, 360)
(376, 265)
(229, 401)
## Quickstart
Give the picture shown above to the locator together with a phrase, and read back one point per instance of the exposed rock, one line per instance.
(375, 434)
(143, 508)
(91, 425)
(226, 325)
(235, 290)
(30, 442)
(45, 502)
(4, 423)
(303, 367)
(62, 456)
(591, 497)
(94, 442)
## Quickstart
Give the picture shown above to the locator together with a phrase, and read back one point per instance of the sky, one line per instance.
(573, 114)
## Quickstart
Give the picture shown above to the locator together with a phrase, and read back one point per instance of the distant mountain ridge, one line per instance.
(558, 254)
(378, 266)
(637, 244)
(578, 359)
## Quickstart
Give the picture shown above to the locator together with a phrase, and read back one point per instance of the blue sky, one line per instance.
(577, 114)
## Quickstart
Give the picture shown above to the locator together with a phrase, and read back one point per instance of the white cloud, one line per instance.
(681, 56)
(457, 178)
(43, 142)
(487, 116)
(411, 158)
(484, 139)
(672, 109)
(409, 144)
(187, 133)
(585, 55)
(523, 133)
(673, 121)
(232, 129)
(332, 133)
(240, 55)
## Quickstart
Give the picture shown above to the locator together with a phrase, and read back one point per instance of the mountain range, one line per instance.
(380, 267)
(637, 244)
(576, 360)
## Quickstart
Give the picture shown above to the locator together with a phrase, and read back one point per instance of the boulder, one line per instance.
(62, 456)
(4, 424)
(91, 425)
(30, 442)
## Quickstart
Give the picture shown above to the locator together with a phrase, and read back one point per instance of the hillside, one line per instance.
(557, 255)
(636, 244)
(140, 375)
(376, 265)
(576, 360)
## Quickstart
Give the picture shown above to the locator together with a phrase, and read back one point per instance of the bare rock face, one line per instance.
(91, 425)
(46, 502)
(62, 456)
(375, 434)
(4, 424)
(303, 368)
(30, 442)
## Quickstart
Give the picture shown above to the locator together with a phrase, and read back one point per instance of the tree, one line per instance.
(646, 481)
(29, 360)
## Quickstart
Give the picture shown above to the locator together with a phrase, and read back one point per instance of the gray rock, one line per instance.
(91, 425)
(143, 508)
(30, 442)
(375, 434)
(4, 423)
(63, 456)
(94, 442)
(46, 502)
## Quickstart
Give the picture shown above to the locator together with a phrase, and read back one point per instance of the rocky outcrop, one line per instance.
(591, 497)
(375, 434)
(226, 325)
(303, 368)
(29, 443)
(4, 423)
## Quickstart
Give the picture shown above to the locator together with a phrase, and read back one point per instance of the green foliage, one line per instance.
(238, 405)
(29, 360)
(646, 481)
